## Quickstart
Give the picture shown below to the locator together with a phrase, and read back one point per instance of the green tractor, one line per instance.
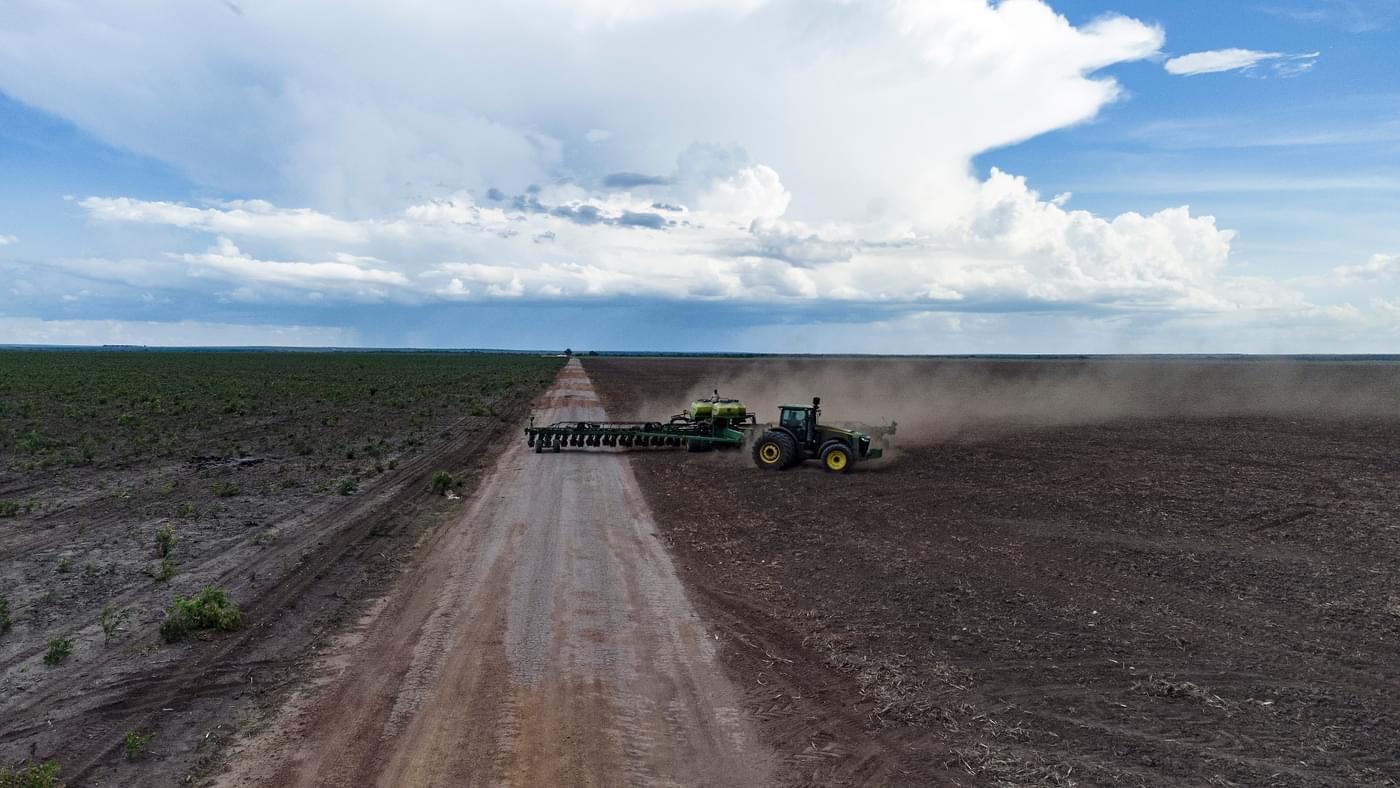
(798, 437)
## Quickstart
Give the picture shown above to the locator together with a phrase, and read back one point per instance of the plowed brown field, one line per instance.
(1155, 572)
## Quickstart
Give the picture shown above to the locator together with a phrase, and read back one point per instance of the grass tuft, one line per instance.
(165, 542)
(112, 620)
(441, 482)
(135, 745)
(59, 650)
(209, 609)
(167, 570)
(40, 775)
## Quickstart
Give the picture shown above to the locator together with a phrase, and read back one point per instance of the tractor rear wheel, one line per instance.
(775, 451)
(836, 458)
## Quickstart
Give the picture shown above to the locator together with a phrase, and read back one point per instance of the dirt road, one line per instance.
(544, 639)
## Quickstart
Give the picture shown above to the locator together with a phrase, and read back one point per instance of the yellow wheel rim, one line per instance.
(836, 460)
(769, 452)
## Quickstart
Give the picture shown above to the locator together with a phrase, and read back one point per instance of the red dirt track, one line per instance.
(1196, 587)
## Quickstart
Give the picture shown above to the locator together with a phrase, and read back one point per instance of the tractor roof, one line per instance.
(797, 407)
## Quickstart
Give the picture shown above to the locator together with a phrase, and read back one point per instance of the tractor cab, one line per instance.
(801, 420)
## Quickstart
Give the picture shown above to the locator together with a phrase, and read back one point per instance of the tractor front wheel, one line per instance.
(836, 458)
(775, 451)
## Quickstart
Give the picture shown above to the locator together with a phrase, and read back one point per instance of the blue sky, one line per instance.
(705, 174)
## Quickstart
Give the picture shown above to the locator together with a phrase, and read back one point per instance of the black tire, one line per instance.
(837, 458)
(775, 451)
(539, 445)
(558, 443)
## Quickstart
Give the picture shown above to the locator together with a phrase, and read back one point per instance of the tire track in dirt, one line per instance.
(543, 640)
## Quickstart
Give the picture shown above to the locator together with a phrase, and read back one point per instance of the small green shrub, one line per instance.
(135, 745)
(165, 541)
(167, 570)
(442, 481)
(209, 609)
(187, 510)
(112, 620)
(64, 562)
(40, 775)
(347, 486)
(9, 508)
(4, 614)
(226, 490)
(59, 650)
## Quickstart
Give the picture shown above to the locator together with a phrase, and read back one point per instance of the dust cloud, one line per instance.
(936, 400)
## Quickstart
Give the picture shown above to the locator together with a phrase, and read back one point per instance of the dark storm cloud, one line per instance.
(583, 214)
(653, 220)
(495, 195)
(528, 204)
(631, 180)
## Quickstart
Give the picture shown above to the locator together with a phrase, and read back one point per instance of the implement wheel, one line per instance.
(836, 458)
(775, 451)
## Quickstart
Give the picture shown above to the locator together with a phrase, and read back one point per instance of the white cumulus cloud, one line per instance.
(6, 240)
(1009, 244)
(355, 276)
(1379, 267)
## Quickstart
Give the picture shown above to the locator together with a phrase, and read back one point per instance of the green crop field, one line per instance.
(79, 408)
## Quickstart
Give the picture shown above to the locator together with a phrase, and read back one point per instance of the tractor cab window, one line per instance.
(794, 419)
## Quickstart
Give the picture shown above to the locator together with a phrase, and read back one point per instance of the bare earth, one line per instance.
(544, 639)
